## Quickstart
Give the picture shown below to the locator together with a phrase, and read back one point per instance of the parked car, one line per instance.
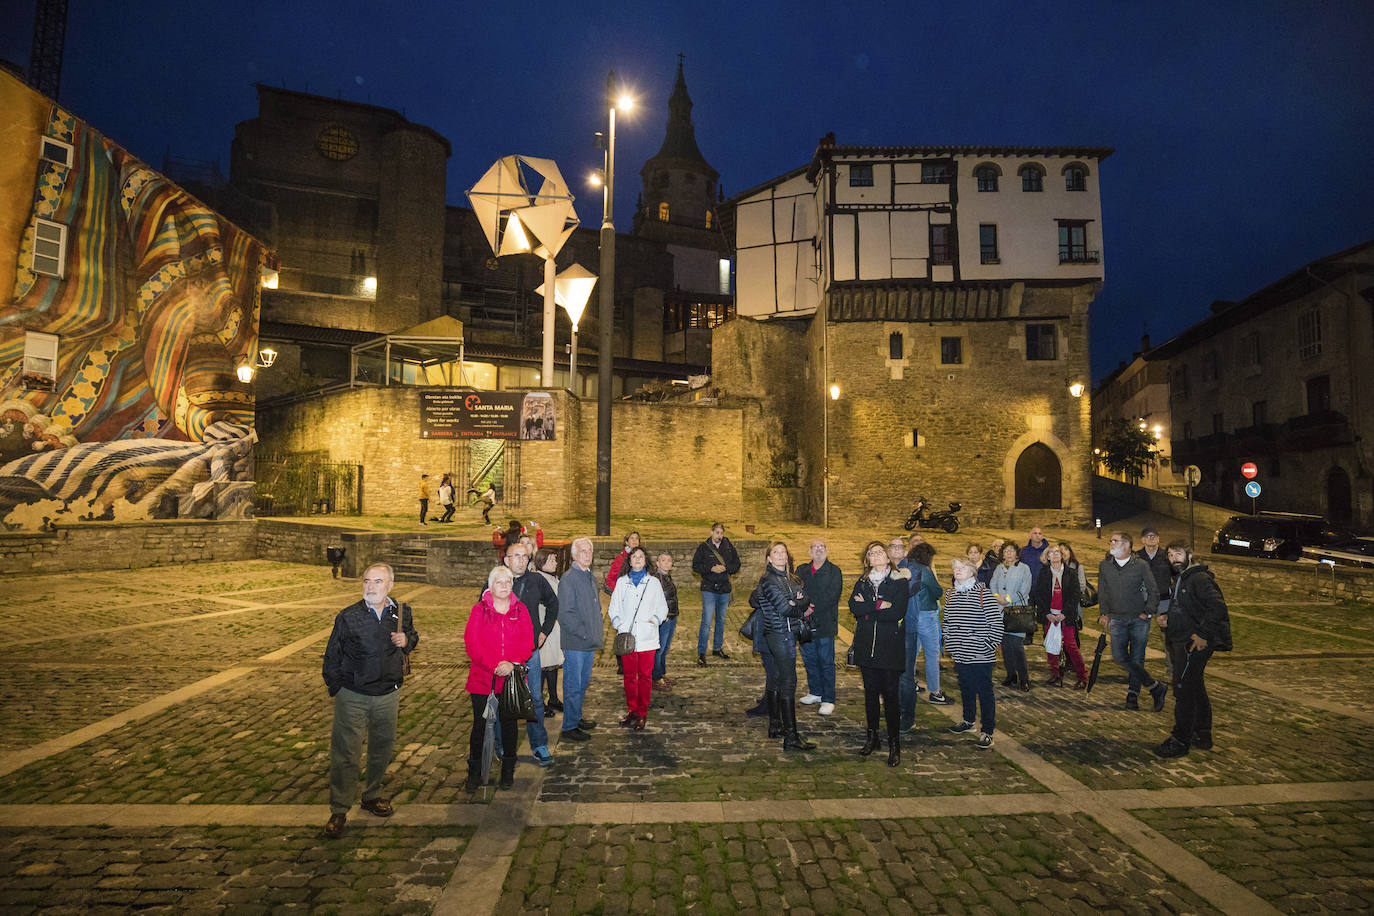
(1275, 535)
(1354, 552)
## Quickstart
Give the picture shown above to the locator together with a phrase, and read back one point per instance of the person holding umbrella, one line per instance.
(1197, 625)
(497, 638)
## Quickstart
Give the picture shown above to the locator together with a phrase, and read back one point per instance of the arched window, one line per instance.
(663, 212)
(1032, 177)
(987, 174)
(708, 219)
(1075, 177)
(1038, 478)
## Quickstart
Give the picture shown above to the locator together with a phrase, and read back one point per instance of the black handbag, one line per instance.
(515, 701)
(747, 628)
(1018, 618)
(625, 642)
(1089, 596)
(806, 630)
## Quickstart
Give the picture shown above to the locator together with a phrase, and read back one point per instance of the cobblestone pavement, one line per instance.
(165, 747)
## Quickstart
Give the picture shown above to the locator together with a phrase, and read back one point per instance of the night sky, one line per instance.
(1241, 129)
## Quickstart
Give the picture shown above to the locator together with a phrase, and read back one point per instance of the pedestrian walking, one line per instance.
(364, 666)
(424, 497)
(1128, 597)
(1011, 585)
(878, 602)
(782, 603)
(824, 584)
(972, 632)
(638, 607)
(715, 561)
(579, 612)
(1197, 625)
(446, 499)
(497, 638)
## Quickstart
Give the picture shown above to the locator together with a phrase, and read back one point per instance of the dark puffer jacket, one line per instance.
(1199, 608)
(878, 638)
(1042, 592)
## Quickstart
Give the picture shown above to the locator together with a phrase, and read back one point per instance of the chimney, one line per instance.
(1144, 343)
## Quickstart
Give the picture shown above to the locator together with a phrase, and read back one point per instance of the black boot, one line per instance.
(894, 754)
(1010, 681)
(870, 743)
(760, 708)
(474, 781)
(774, 714)
(791, 740)
(507, 772)
(1202, 740)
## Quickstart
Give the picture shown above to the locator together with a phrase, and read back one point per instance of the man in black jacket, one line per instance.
(364, 665)
(534, 590)
(823, 583)
(715, 561)
(1198, 625)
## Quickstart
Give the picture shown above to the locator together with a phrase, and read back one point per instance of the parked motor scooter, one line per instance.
(945, 518)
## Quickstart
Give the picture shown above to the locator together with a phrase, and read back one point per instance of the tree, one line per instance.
(1127, 449)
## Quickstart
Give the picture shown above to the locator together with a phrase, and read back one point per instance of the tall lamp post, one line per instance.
(834, 395)
(614, 100)
(571, 289)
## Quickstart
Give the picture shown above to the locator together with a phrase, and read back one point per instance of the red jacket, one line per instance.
(492, 638)
(617, 567)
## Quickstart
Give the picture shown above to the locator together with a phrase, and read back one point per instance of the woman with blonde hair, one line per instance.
(497, 637)
(972, 631)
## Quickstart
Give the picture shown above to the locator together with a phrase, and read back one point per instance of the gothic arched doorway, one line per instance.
(1338, 508)
(1038, 478)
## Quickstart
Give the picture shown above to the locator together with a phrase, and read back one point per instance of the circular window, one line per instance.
(337, 142)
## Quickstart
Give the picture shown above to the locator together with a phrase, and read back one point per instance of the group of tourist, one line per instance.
(530, 622)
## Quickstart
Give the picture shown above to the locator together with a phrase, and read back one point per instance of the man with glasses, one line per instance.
(1129, 599)
(534, 592)
(1156, 558)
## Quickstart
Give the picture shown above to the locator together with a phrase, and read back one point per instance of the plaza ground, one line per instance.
(166, 733)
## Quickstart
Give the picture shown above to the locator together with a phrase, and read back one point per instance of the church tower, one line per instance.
(677, 204)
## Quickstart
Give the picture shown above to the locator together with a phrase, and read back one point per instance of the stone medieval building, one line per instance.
(920, 328)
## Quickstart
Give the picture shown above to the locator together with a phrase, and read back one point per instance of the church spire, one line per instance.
(681, 140)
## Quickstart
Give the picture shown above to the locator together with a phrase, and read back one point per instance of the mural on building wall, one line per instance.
(140, 415)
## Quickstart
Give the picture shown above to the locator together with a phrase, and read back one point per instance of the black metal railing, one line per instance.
(307, 484)
(1078, 256)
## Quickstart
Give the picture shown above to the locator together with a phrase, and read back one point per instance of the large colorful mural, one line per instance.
(140, 414)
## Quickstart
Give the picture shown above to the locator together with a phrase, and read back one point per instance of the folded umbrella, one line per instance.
(489, 744)
(1097, 660)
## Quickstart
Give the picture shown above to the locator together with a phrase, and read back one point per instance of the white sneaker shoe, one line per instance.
(810, 699)
(826, 709)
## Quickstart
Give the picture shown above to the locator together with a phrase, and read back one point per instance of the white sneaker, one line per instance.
(826, 709)
(810, 699)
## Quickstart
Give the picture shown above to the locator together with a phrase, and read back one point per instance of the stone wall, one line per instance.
(1205, 515)
(664, 455)
(129, 545)
(1285, 580)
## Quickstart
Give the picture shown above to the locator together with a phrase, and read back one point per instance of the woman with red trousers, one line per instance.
(1055, 596)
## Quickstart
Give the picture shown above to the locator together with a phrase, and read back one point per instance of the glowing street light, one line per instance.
(571, 289)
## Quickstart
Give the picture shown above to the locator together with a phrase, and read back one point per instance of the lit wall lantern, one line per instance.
(270, 278)
(834, 392)
(266, 357)
(370, 284)
(244, 372)
(1076, 389)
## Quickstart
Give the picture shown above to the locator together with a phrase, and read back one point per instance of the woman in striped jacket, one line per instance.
(972, 631)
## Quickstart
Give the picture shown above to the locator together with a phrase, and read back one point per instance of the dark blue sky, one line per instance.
(1242, 129)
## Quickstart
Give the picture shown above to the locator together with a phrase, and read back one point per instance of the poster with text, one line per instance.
(458, 414)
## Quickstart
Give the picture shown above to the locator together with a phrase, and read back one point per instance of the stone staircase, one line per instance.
(410, 560)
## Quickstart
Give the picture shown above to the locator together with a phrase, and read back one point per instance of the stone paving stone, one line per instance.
(1064, 864)
(231, 869)
(39, 701)
(699, 746)
(1258, 738)
(263, 739)
(1338, 618)
(1343, 681)
(1260, 637)
(1301, 858)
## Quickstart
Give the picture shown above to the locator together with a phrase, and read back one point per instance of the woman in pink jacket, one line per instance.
(497, 638)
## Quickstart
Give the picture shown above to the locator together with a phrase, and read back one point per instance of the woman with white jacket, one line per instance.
(638, 607)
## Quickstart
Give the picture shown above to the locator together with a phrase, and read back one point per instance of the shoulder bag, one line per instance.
(625, 642)
(1018, 618)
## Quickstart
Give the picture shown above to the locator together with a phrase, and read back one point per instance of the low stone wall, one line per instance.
(297, 542)
(1286, 579)
(1205, 515)
(127, 545)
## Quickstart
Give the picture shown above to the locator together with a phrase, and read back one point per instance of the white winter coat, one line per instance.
(652, 609)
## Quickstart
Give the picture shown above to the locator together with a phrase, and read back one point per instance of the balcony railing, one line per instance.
(1079, 256)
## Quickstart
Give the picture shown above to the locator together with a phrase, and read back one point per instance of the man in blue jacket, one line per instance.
(364, 665)
(824, 584)
(583, 630)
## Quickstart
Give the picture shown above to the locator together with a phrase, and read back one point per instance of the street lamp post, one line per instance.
(572, 288)
(607, 318)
